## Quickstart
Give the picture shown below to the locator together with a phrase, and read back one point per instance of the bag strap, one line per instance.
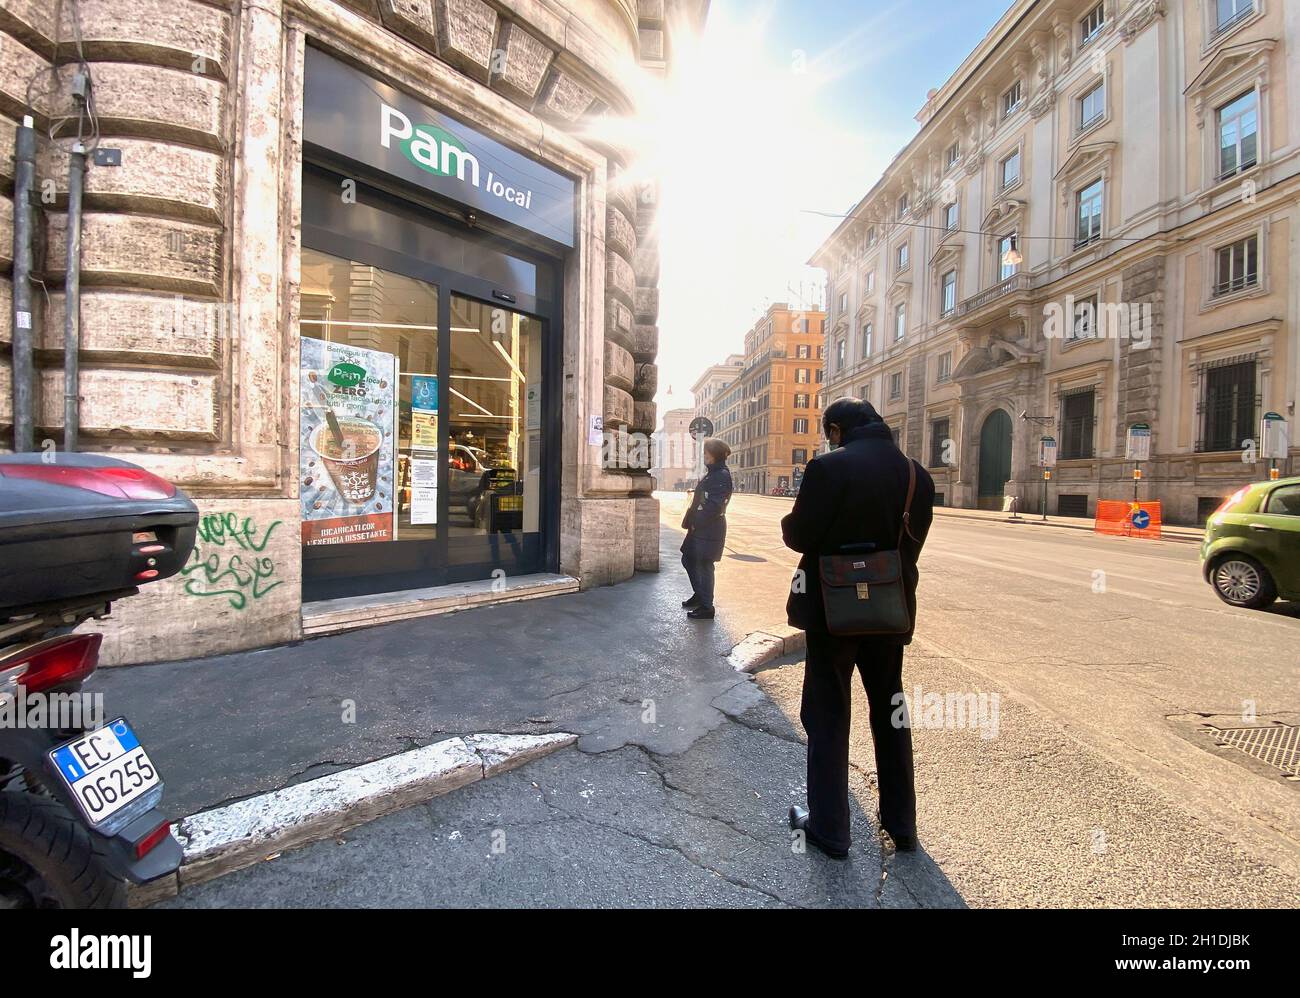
(906, 525)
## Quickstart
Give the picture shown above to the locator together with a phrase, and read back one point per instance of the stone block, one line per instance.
(620, 279)
(647, 382)
(241, 588)
(6, 311)
(466, 32)
(136, 405)
(646, 541)
(618, 322)
(154, 177)
(7, 231)
(158, 102)
(564, 98)
(650, 12)
(8, 142)
(134, 328)
(526, 62)
(620, 233)
(412, 19)
(645, 263)
(652, 44)
(620, 369)
(18, 65)
(646, 304)
(645, 341)
(31, 21)
(643, 417)
(618, 407)
(190, 36)
(139, 251)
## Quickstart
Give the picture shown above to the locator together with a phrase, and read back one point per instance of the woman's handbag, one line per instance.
(864, 593)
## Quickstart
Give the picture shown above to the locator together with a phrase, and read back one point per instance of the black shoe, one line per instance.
(693, 601)
(799, 823)
(903, 843)
(701, 613)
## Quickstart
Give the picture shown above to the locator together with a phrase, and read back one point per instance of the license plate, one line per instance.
(107, 770)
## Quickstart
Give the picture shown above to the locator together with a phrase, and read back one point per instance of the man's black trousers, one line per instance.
(825, 714)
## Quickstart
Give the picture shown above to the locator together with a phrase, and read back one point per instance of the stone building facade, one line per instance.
(676, 453)
(770, 412)
(1095, 227)
(202, 262)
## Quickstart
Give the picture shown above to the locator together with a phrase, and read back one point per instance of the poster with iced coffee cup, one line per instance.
(348, 397)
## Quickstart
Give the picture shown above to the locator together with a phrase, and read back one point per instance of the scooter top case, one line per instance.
(74, 525)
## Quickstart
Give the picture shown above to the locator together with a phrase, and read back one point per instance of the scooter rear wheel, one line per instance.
(48, 859)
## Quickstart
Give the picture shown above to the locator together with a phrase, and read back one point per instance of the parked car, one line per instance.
(1251, 550)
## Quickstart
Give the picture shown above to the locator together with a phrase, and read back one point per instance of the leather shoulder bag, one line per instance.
(864, 593)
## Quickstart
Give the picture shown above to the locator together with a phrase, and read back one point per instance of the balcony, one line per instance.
(1014, 283)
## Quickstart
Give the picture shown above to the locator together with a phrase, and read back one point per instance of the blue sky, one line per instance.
(784, 106)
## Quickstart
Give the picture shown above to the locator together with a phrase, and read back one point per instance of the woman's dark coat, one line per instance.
(705, 521)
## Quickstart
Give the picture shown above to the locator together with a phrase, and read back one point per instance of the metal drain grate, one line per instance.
(1277, 745)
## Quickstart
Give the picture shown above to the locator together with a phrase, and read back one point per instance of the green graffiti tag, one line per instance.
(228, 560)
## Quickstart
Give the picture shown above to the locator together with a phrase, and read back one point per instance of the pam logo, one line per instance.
(430, 147)
(347, 375)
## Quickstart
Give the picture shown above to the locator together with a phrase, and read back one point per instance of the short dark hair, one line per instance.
(848, 413)
(718, 449)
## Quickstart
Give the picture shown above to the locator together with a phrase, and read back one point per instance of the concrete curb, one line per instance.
(1166, 534)
(229, 838)
(761, 647)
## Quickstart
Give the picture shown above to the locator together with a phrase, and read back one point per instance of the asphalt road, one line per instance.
(1087, 780)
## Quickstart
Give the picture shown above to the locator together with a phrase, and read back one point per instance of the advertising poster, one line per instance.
(424, 412)
(346, 462)
(424, 490)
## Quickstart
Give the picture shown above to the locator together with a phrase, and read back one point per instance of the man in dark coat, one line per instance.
(852, 498)
(705, 524)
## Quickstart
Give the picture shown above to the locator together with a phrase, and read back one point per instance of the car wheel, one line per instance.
(1241, 581)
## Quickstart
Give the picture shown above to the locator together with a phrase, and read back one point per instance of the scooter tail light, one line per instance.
(147, 844)
(56, 662)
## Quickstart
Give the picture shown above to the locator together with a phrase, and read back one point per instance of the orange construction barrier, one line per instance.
(1121, 518)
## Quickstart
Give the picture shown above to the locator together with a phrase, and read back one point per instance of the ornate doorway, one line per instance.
(995, 459)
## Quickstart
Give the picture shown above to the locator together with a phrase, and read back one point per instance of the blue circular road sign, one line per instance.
(1141, 519)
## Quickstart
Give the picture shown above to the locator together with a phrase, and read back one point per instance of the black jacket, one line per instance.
(705, 521)
(854, 496)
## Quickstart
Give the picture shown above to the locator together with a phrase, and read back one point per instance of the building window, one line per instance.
(945, 367)
(1230, 13)
(1091, 25)
(840, 353)
(939, 436)
(801, 425)
(902, 257)
(1236, 266)
(896, 385)
(948, 293)
(1011, 100)
(821, 375)
(868, 335)
(801, 400)
(1076, 424)
(1084, 324)
(801, 376)
(1089, 204)
(1228, 406)
(821, 352)
(1092, 106)
(903, 205)
(950, 216)
(864, 393)
(1238, 134)
(799, 455)
(844, 302)
(1006, 270)
(802, 352)
(871, 281)
(1010, 170)
(952, 155)
(871, 236)
(900, 321)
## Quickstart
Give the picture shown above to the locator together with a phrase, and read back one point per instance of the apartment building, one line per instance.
(1094, 228)
(708, 387)
(770, 412)
(675, 453)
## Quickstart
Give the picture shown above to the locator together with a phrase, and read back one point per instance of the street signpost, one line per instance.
(1046, 461)
(700, 429)
(1137, 448)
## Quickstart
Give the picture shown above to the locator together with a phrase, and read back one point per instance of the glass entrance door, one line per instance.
(495, 437)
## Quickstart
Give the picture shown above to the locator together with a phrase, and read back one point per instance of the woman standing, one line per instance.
(705, 524)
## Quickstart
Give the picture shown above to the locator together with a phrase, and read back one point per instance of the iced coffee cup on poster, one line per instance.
(353, 462)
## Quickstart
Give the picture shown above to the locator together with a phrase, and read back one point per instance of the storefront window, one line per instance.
(357, 305)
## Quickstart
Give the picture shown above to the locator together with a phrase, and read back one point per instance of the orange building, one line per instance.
(770, 414)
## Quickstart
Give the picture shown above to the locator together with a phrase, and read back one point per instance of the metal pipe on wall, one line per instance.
(24, 185)
(72, 302)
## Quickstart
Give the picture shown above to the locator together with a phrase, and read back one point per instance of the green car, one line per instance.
(1251, 551)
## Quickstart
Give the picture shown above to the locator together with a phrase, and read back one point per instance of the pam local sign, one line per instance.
(355, 118)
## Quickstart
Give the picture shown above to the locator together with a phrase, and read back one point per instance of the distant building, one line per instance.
(709, 384)
(675, 452)
(770, 412)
